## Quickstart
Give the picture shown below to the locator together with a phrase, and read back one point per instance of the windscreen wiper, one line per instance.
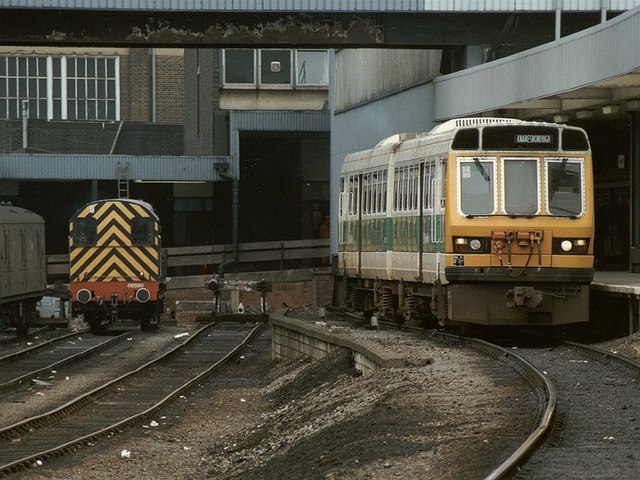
(483, 172)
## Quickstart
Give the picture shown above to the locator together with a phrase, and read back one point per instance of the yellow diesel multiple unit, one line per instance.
(480, 221)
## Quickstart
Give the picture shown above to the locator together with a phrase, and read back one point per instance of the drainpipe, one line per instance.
(235, 204)
(558, 19)
(25, 119)
(153, 85)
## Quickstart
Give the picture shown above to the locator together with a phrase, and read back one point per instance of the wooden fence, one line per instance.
(256, 256)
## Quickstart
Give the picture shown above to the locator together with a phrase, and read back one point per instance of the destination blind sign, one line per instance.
(520, 137)
(529, 138)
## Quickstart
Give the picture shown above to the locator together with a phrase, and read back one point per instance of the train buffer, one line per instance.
(234, 309)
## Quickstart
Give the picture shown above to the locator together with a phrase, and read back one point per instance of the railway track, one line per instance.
(33, 362)
(132, 398)
(597, 431)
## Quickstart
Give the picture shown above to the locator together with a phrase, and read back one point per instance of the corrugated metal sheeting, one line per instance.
(328, 5)
(110, 167)
(291, 121)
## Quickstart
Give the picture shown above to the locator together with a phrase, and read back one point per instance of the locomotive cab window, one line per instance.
(85, 232)
(142, 231)
(565, 180)
(476, 185)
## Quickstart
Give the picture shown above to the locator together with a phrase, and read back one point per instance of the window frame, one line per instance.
(504, 179)
(57, 90)
(293, 83)
(580, 161)
(493, 160)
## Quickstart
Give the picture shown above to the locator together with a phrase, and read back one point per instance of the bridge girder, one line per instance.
(83, 27)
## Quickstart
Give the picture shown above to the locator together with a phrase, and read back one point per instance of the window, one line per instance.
(23, 78)
(239, 66)
(476, 185)
(374, 192)
(564, 187)
(245, 67)
(142, 231)
(64, 87)
(406, 184)
(520, 184)
(85, 232)
(275, 67)
(311, 67)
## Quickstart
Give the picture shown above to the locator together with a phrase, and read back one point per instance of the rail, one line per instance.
(254, 256)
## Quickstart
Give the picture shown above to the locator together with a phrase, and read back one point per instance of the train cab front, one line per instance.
(520, 276)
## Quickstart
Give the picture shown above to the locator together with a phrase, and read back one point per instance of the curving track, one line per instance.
(132, 398)
(597, 431)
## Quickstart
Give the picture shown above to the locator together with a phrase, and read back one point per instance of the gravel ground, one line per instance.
(301, 419)
(268, 419)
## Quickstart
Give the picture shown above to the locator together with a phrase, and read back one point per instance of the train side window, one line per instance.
(520, 186)
(466, 139)
(564, 187)
(85, 232)
(142, 231)
(476, 186)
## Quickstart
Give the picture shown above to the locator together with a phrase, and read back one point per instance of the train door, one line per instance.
(350, 224)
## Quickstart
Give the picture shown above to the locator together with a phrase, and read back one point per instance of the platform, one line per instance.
(625, 283)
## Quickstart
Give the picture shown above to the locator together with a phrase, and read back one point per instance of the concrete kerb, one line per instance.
(373, 355)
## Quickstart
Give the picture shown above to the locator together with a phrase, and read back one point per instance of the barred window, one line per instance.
(60, 87)
(374, 192)
(406, 185)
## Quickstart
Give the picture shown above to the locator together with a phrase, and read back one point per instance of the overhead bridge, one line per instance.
(327, 23)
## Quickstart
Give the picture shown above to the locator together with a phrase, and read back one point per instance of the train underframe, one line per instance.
(101, 316)
(20, 313)
(459, 304)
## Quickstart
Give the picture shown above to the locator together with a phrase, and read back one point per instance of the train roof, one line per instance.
(12, 214)
(145, 205)
(435, 141)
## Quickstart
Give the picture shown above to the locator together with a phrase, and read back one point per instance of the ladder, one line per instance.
(122, 174)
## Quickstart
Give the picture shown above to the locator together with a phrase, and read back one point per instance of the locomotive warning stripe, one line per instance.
(133, 263)
(113, 257)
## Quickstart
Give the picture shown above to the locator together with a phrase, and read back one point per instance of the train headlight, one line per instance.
(143, 295)
(470, 245)
(475, 244)
(571, 246)
(83, 295)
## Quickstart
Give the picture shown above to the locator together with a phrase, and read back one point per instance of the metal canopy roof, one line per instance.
(592, 73)
(20, 166)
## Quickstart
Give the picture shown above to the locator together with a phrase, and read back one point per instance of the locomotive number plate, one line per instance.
(458, 260)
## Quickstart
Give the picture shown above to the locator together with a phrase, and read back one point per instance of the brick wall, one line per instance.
(286, 293)
(170, 86)
(93, 138)
(136, 91)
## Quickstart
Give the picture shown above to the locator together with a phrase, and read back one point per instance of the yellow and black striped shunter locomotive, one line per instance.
(115, 267)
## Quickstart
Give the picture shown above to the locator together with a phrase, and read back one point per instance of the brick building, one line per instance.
(90, 101)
